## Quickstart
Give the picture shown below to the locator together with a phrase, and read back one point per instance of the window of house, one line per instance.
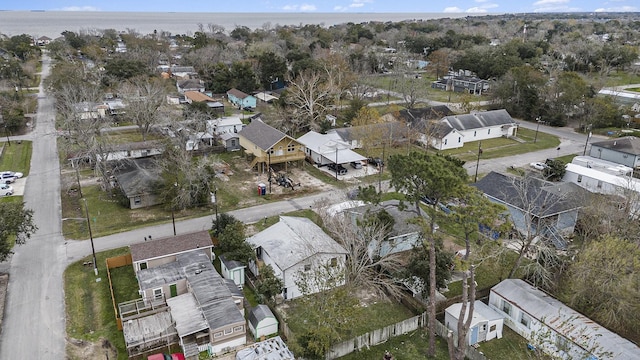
(492, 328)
(143, 266)
(291, 147)
(506, 307)
(484, 327)
(599, 184)
(474, 133)
(459, 138)
(307, 267)
(334, 262)
(579, 178)
(228, 331)
(157, 293)
(233, 142)
(445, 141)
(488, 131)
(525, 320)
(137, 200)
(237, 328)
(217, 335)
(284, 293)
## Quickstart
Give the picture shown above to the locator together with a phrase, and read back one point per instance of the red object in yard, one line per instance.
(174, 356)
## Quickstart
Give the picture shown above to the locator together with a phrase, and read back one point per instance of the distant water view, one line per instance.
(52, 23)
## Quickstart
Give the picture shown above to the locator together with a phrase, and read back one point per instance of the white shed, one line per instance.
(233, 270)
(486, 323)
(262, 322)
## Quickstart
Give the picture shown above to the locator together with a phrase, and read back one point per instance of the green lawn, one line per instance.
(502, 147)
(373, 316)
(16, 157)
(125, 284)
(411, 346)
(90, 314)
(511, 346)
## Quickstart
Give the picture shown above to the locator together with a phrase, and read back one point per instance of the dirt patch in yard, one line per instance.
(81, 349)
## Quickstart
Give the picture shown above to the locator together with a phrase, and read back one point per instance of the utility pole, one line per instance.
(587, 142)
(537, 127)
(93, 249)
(475, 179)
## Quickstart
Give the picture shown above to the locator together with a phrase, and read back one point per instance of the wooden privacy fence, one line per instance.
(115, 262)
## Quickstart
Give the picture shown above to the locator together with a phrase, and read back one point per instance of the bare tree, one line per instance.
(144, 98)
(457, 351)
(309, 94)
(367, 265)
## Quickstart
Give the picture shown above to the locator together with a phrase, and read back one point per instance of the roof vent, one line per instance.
(198, 271)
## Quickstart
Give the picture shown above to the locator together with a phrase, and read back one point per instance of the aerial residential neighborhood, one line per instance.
(443, 188)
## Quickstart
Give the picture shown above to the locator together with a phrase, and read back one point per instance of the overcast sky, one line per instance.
(404, 6)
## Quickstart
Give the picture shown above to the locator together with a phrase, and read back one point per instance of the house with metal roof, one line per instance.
(486, 323)
(554, 327)
(269, 145)
(262, 322)
(535, 207)
(206, 310)
(476, 126)
(624, 150)
(294, 246)
(270, 349)
(325, 149)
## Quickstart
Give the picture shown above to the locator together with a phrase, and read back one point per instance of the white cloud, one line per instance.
(476, 10)
(452, 9)
(618, 9)
(550, 2)
(356, 5)
(339, 8)
(80, 8)
(301, 7)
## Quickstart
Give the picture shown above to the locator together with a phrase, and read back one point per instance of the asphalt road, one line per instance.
(34, 321)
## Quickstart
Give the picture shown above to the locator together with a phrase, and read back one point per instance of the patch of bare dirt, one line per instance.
(81, 349)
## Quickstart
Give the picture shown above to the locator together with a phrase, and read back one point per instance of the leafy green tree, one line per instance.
(330, 310)
(233, 243)
(21, 46)
(74, 40)
(268, 284)
(243, 77)
(555, 170)
(420, 266)
(603, 284)
(221, 223)
(271, 68)
(17, 224)
(417, 175)
(122, 68)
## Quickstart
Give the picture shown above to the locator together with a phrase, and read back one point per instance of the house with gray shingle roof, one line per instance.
(456, 130)
(294, 246)
(269, 145)
(241, 99)
(624, 150)
(554, 327)
(152, 253)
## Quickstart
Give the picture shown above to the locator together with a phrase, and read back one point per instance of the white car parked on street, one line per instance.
(6, 190)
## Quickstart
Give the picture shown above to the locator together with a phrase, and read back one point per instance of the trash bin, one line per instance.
(262, 189)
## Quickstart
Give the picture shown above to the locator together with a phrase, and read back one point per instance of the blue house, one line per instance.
(240, 99)
(535, 206)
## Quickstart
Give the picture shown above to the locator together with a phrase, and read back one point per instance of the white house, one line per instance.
(602, 182)
(453, 131)
(233, 270)
(225, 125)
(295, 246)
(324, 149)
(554, 327)
(486, 323)
(262, 322)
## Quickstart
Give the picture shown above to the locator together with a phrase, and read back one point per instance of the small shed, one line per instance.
(262, 322)
(233, 270)
(486, 323)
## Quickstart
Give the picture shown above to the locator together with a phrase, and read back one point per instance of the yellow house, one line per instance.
(269, 145)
